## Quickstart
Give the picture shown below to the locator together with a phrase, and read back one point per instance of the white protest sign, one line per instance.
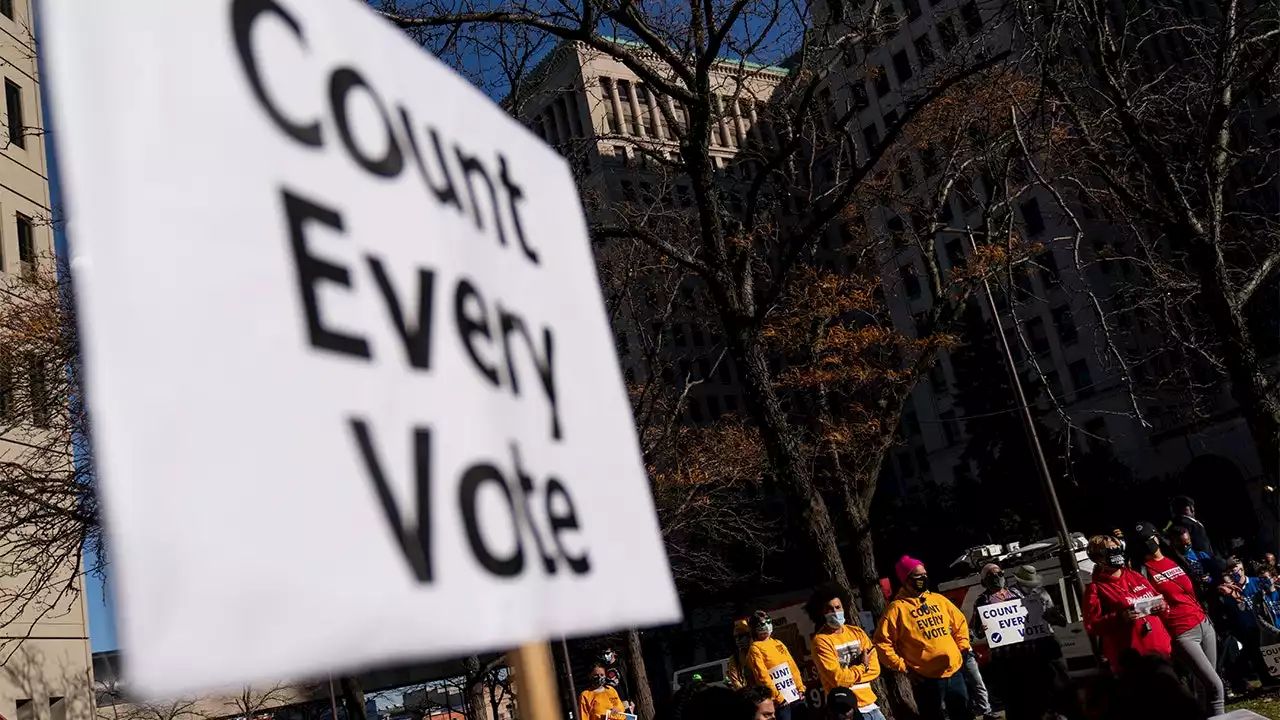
(1271, 655)
(784, 682)
(1147, 604)
(1013, 621)
(355, 396)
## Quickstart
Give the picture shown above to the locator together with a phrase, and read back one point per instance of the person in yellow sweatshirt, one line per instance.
(843, 653)
(770, 664)
(738, 676)
(923, 634)
(600, 701)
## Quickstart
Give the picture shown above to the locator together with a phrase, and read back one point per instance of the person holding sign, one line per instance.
(843, 653)
(1120, 606)
(1195, 644)
(600, 701)
(770, 663)
(924, 635)
(1026, 666)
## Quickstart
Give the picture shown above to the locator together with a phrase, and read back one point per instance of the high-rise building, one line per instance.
(611, 126)
(44, 645)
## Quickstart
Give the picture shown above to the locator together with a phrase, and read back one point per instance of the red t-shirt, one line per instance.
(1184, 612)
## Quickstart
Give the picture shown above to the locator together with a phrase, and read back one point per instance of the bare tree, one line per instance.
(1170, 109)
(251, 703)
(48, 508)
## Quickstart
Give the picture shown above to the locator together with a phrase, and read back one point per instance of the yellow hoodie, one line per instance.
(595, 704)
(771, 665)
(923, 634)
(846, 658)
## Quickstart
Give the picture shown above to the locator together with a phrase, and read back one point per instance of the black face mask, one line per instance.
(599, 680)
(919, 583)
(1115, 559)
(994, 582)
(1152, 545)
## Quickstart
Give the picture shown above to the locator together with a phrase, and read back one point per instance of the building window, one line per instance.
(1031, 216)
(913, 9)
(1081, 378)
(1062, 320)
(910, 282)
(725, 372)
(6, 394)
(1049, 274)
(955, 253)
(1096, 435)
(1037, 336)
(1053, 385)
(38, 393)
(947, 34)
(871, 138)
(699, 337)
(26, 709)
(938, 379)
(1015, 346)
(678, 336)
(695, 411)
(13, 106)
(882, 81)
(731, 403)
(924, 50)
(860, 100)
(901, 66)
(6, 8)
(26, 240)
(910, 425)
(713, 407)
(972, 18)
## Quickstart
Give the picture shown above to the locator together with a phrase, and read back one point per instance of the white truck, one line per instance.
(1044, 557)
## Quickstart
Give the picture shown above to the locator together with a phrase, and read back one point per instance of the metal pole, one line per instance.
(568, 672)
(1042, 467)
(333, 700)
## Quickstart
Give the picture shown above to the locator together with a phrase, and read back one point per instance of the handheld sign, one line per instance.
(355, 396)
(1271, 654)
(1013, 621)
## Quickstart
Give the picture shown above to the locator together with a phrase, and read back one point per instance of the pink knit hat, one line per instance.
(904, 567)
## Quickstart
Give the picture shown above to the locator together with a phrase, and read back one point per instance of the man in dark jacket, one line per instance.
(1183, 510)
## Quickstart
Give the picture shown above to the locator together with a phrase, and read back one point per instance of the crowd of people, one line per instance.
(1178, 628)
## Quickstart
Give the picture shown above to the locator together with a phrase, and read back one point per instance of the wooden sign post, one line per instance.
(536, 692)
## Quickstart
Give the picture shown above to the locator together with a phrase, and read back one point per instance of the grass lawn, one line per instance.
(1267, 706)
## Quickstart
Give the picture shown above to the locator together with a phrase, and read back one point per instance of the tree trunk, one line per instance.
(782, 443)
(1251, 387)
(353, 698)
(641, 693)
(892, 686)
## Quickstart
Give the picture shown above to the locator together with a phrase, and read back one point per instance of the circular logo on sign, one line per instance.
(995, 637)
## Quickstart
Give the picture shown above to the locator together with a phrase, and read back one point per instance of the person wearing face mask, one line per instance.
(925, 635)
(843, 654)
(1266, 605)
(770, 663)
(738, 675)
(1195, 644)
(1199, 564)
(1121, 607)
(599, 700)
(1241, 594)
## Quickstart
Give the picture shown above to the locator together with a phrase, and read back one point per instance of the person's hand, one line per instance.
(1132, 614)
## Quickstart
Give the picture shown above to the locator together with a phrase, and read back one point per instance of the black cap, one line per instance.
(1144, 530)
(841, 699)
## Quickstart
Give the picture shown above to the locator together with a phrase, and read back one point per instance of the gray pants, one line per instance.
(978, 696)
(1197, 650)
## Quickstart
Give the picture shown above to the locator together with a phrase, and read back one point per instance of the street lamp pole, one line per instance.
(1042, 466)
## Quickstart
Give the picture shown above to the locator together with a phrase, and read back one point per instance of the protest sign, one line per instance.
(355, 397)
(1271, 655)
(1013, 621)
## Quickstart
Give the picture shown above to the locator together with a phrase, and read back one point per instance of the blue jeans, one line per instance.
(781, 712)
(977, 688)
(949, 692)
(872, 715)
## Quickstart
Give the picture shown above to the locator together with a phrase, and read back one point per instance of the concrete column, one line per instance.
(615, 105)
(638, 122)
(724, 126)
(755, 126)
(658, 131)
(737, 121)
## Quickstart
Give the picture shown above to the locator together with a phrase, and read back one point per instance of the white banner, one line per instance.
(355, 397)
(1013, 621)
